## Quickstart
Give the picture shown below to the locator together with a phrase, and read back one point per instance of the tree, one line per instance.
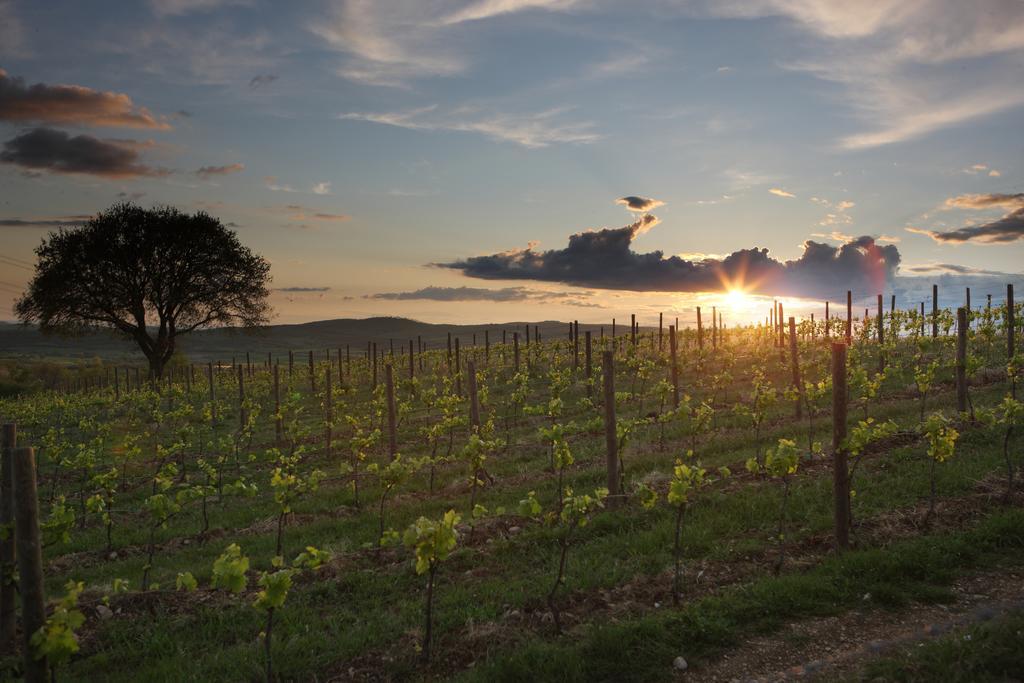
(150, 275)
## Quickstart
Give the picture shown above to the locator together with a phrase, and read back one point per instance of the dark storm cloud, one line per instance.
(604, 259)
(639, 204)
(71, 104)
(56, 151)
(504, 294)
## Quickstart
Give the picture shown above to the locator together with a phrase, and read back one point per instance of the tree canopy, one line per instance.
(150, 274)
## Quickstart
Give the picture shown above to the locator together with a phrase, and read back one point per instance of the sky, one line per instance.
(499, 160)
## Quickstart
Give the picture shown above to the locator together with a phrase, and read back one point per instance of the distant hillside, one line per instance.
(223, 344)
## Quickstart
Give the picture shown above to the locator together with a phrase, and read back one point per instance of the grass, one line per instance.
(988, 651)
(365, 610)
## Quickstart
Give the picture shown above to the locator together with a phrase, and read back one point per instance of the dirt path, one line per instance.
(826, 648)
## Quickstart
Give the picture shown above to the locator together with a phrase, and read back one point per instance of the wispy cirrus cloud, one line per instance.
(71, 105)
(392, 43)
(529, 130)
(46, 149)
(892, 59)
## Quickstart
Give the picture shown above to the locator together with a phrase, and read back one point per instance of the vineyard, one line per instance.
(614, 503)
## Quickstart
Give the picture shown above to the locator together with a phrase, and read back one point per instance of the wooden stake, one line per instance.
(840, 473)
(392, 435)
(8, 588)
(29, 553)
(610, 434)
(961, 360)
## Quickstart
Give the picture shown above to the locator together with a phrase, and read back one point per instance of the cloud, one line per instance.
(301, 213)
(986, 201)
(182, 7)
(952, 268)
(603, 259)
(42, 222)
(321, 188)
(392, 43)
(57, 152)
(529, 130)
(893, 58)
(207, 171)
(486, 9)
(975, 169)
(639, 204)
(262, 79)
(1009, 228)
(302, 289)
(505, 294)
(71, 105)
(781, 193)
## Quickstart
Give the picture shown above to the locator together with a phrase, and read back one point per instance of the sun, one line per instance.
(736, 298)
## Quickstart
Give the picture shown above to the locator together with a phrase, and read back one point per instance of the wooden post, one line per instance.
(794, 360)
(291, 365)
(935, 311)
(632, 328)
(661, 327)
(117, 386)
(673, 347)
(328, 406)
(840, 473)
(278, 421)
(458, 368)
(961, 360)
(474, 407)
(412, 362)
(515, 349)
(312, 374)
(826, 322)
(392, 435)
(241, 398)
(213, 396)
(590, 389)
(881, 336)
(8, 589)
(576, 345)
(29, 553)
(487, 346)
(700, 331)
(610, 434)
(1011, 322)
(714, 327)
(373, 386)
(849, 317)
